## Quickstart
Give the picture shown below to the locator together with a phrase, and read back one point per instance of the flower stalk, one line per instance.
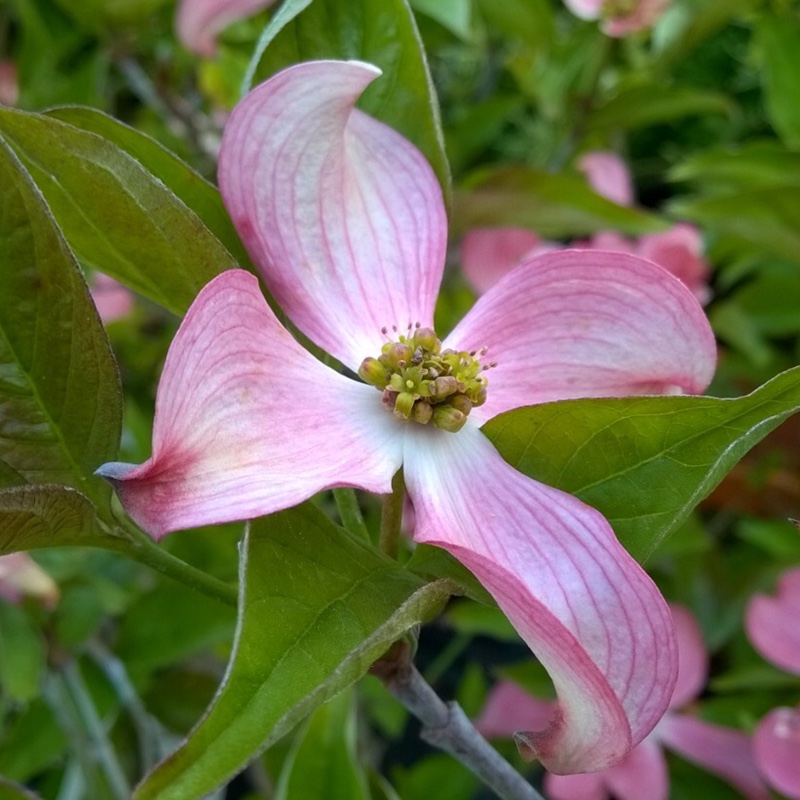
(148, 552)
(392, 517)
(446, 726)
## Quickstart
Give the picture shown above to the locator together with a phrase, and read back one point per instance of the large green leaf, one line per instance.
(779, 40)
(644, 462)
(382, 32)
(60, 404)
(187, 185)
(318, 607)
(116, 216)
(552, 205)
(324, 761)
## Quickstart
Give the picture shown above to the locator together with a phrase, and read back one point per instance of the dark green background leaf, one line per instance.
(319, 607)
(779, 40)
(60, 405)
(644, 462)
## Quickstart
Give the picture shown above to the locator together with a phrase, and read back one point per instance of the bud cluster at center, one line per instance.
(425, 384)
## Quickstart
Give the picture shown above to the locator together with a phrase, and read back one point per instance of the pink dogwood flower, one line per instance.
(346, 221)
(620, 17)
(643, 772)
(489, 253)
(773, 626)
(198, 22)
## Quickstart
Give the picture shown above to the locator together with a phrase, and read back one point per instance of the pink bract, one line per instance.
(643, 772)
(777, 750)
(198, 22)
(9, 84)
(773, 623)
(345, 219)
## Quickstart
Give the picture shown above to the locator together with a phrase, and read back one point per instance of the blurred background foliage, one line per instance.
(704, 110)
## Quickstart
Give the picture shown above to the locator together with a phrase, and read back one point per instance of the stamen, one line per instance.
(423, 383)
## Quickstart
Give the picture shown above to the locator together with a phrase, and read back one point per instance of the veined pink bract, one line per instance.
(346, 221)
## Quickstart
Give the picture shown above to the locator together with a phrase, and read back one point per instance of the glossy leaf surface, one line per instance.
(317, 609)
(134, 228)
(645, 462)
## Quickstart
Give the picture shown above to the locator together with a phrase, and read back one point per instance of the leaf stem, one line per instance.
(392, 517)
(148, 552)
(446, 726)
(350, 512)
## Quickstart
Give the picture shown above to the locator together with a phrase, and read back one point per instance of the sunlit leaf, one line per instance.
(187, 185)
(644, 462)
(318, 607)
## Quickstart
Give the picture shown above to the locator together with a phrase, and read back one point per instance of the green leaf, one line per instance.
(318, 607)
(647, 104)
(454, 15)
(323, 761)
(116, 216)
(754, 165)
(187, 185)
(50, 516)
(59, 388)
(644, 462)
(21, 655)
(766, 218)
(382, 32)
(778, 38)
(13, 791)
(554, 205)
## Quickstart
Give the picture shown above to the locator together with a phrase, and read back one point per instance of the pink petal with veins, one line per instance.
(725, 752)
(488, 254)
(587, 610)
(608, 176)
(198, 22)
(509, 709)
(248, 422)
(692, 657)
(583, 323)
(776, 745)
(343, 215)
(772, 623)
